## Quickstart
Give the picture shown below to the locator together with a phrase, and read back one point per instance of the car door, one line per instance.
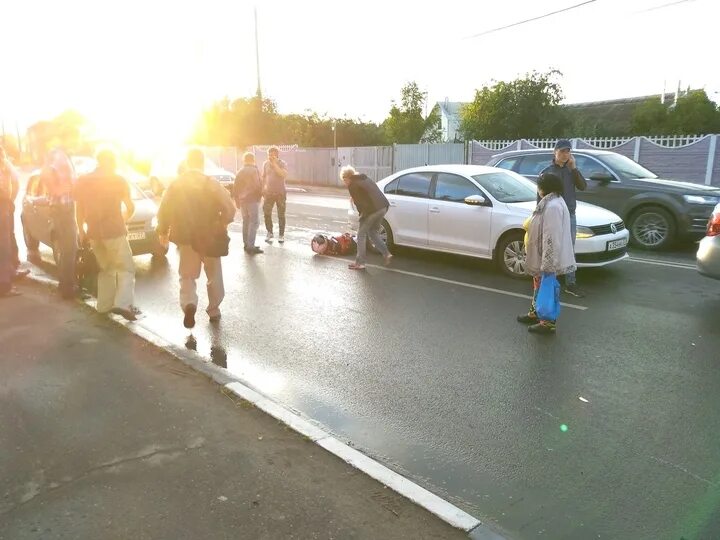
(532, 165)
(455, 225)
(408, 214)
(600, 191)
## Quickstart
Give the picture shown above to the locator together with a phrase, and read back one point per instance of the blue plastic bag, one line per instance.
(547, 302)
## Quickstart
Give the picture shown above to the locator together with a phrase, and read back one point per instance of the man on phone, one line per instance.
(564, 166)
(274, 173)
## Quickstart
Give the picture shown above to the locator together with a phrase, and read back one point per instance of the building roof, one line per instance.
(451, 108)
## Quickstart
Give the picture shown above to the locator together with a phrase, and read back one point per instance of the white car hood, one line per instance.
(588, 215)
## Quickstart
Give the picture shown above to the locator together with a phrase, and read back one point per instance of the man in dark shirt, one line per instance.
(247, 192)
(372, 205)
(564, 166)
(100, 197)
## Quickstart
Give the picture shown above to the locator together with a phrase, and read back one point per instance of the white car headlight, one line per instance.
(701, 199)
(584, 232)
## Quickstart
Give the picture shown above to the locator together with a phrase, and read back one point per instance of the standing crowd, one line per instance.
(195, 211)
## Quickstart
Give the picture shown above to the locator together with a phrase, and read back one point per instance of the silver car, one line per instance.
(708, 255)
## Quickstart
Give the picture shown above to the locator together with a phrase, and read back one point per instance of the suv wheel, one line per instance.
(652, 228)
(510, 255)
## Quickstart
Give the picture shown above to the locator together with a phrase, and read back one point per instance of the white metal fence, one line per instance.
(694, 158)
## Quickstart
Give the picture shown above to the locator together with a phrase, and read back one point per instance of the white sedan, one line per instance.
(479, 211)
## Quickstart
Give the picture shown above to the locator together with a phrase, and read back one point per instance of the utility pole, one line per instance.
(257, 57)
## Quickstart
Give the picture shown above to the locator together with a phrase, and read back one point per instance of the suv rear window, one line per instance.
(533, 165)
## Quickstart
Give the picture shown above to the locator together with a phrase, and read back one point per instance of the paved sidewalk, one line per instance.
(106, 436)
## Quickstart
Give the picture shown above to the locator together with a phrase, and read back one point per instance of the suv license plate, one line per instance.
(136, 236)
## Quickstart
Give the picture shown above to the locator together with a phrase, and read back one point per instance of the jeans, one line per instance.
(370, 227)
(189, 269)
(250, 220)
(279, 200)
(66, 242)
(570, 277)
(7, 266)
(116, 278)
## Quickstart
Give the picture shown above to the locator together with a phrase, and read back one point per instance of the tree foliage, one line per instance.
(250, 121)
(523, 108)
(406, 123)
(694, 113)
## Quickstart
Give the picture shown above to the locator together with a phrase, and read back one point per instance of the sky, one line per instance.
(142, 71)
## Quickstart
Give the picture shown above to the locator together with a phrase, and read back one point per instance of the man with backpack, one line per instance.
(194, 214)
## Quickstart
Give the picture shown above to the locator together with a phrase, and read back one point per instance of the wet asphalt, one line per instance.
(610, 429)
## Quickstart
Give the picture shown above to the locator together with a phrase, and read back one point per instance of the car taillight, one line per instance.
(713, 228)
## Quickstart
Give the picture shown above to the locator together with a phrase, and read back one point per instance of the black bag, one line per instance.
(87, 267)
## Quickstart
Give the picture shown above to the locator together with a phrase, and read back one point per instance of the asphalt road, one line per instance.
(610, 429)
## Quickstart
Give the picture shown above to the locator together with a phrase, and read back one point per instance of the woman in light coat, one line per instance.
(548, 246)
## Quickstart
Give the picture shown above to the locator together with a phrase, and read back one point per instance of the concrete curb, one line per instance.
(438, 506)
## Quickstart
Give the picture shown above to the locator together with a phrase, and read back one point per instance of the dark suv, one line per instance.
(657, 211)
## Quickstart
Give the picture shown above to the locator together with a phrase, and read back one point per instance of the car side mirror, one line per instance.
(475, 200)
(602, 177)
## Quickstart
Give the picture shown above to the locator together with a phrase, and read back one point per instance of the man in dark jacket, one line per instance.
(564, 166)
(247, 192)
(372, 205)
(180, 221)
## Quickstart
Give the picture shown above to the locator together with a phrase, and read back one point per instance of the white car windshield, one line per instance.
(507, 187)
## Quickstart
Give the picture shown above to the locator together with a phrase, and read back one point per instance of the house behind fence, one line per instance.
(693, 158)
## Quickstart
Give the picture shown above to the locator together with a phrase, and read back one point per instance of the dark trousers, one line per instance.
(66, 242)
(270, 201)
(7, 264)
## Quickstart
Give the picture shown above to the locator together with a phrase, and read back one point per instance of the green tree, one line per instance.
(650, 118)
(433, 127)
(694, 113)
(406, 123)
(522, 108)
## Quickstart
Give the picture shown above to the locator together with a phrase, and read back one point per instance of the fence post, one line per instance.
(573, 143)
(427, 153)
(636, 153)
(711, 160)
(519, 144)
(392, 158)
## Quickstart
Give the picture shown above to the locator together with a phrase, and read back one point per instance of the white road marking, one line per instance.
(686, 266)
(468, 285)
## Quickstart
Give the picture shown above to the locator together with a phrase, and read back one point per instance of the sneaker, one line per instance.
(281, 239)
(269, 237)
(573, 290)
(528, 318)
(542, 328)
(387, 259)
(189, 320)
(256, 250)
